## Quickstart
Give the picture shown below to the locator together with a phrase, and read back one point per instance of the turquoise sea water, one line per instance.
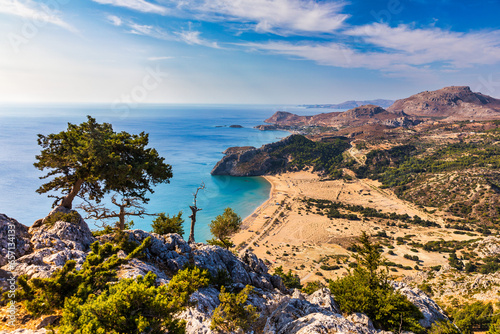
(188, 137)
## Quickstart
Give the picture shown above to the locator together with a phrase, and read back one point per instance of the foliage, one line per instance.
(332, 210)
(222, 278)
(72, 217)
(366, 290)
(90, 160)
(223, 226)
(443, 327)
(232, 314)
(455, 262)
(312, 287)
(42, 295)
(134, 306)
(164, 224)
(290, 280)
(473, 317)
(302, 152)
(468, 180)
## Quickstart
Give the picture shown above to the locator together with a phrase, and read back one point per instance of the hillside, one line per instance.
(450, 103)
(352, 104)
(363, 115)
(65, 267)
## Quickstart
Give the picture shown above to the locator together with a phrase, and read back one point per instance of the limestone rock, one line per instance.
(21, 238)
(489, 246)
(135, 268)
(62, 234)
(429, 308)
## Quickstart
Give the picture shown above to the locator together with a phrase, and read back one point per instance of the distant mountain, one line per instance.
(450, 103)
(353, 104)
(368, 114)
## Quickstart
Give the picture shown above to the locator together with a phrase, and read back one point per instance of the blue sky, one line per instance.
(244, 51)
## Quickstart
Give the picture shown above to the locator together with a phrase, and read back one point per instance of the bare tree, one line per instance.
(194, 209)
(100, 212)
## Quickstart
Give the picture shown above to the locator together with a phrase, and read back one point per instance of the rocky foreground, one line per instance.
(44, 248)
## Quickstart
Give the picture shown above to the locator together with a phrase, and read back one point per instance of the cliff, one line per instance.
(280, 310)
(450, 103)
(251, 161)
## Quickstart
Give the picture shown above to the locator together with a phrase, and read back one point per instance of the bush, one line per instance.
(43, 295)
(290, 280)
(164, 224)
(443, 327)
(366, 290)
(134, 306)
(223, 226)
(312, 287)
(72, 217)
(232, 314)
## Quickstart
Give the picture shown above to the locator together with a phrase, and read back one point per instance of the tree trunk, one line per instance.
(194, 209)
(121, 216)
(67, 201)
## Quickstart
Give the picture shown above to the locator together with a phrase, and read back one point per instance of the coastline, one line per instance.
(255, 213)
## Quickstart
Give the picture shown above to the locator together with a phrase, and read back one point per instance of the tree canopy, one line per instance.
(164, 224)
(367, 290)
(90, 160)
(223, 226)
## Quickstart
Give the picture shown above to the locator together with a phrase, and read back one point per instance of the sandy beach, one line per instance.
(284, 234)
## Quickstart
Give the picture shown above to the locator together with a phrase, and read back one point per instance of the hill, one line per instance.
(352, 104)
(367, 114)
(450, 103)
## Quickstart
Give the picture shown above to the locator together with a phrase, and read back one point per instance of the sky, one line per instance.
(129, 52)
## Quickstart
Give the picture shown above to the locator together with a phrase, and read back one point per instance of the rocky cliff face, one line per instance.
(251, 161)
(450, 103)
(362, 115)
(281, 310)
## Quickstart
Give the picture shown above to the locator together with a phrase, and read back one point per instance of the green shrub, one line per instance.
(366, 290)
(443, 327)
(134, 306)
(232, 314)
(72, 217)
(164, 224)
(290, 280)
(312, 287)
(43, 295)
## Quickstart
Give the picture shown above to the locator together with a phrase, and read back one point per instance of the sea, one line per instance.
(191, 138)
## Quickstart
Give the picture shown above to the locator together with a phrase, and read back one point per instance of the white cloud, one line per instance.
(36, 12)
(397, 50)
(274, 16)
(137, 5)
(426, 46)
(115, 20)
(193, 38)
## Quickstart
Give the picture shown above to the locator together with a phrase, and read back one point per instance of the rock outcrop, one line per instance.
(431, 311)
(281, 310)
(17, 240)
(450, 103)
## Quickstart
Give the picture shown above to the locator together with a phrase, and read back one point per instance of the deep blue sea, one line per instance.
(187, 136)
